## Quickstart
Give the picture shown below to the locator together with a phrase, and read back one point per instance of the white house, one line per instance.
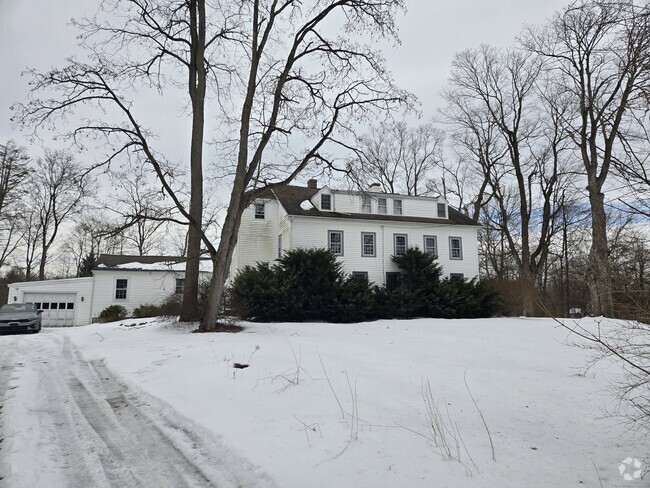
(129, 281)
(363, 228)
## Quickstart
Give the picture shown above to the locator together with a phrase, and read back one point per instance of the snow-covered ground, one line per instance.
(319, 405)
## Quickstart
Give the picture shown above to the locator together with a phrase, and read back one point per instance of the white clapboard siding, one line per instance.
(312, 232)
(143, 287)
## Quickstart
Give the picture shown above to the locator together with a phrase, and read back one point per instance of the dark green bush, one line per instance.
(146, 310)
(112, 313)
(309, 285)
(304, 285)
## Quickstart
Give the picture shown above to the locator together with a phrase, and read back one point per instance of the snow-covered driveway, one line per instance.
(69, 423)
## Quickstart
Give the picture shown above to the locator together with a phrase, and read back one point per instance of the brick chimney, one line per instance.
(313, 183)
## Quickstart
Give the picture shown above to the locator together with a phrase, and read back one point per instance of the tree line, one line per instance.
(529, 141)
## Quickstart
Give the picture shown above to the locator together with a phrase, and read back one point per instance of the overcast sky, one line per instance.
(36, 33)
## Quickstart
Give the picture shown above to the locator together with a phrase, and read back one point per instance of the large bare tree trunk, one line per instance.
(197, 85)
(599, 271)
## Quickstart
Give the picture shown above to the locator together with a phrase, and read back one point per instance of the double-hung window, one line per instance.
(397, 207)
(335, 242)
(442, 211)
(368, 248)
(382, 206)
(326, 202)
(259, 210)
(180, 285)
(366, 204)
(455, 248)
(120, 289)
(400, 244)
(431, 245)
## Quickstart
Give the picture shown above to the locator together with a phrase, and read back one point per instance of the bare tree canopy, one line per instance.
(597, 52)
(14, 170)
(57, 188)
(398, 157)
(295, 89)
(510, 132)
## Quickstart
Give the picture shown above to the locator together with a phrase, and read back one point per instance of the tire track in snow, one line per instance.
(136, 453)
(6, 369)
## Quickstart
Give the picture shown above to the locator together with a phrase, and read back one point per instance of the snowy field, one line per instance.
(319, 405)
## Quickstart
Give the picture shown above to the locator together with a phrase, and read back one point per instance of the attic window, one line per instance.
(326, 202)
(259, 210)
(442, 211)
(366, 204)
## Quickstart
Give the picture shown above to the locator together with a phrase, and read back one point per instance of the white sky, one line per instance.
(36, 33)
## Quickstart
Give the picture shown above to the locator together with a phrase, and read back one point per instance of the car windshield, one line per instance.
(18, 307)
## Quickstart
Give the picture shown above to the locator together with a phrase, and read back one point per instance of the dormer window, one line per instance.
(382, 207)
(397, 207)
(326, 202)
(259, 211)
(366, 204)
(442, 211)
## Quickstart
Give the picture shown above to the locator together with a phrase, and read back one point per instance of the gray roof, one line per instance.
(292, 196)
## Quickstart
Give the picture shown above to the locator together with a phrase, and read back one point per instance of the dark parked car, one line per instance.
(20, 317)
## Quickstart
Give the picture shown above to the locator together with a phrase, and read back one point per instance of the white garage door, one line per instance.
(58, 308)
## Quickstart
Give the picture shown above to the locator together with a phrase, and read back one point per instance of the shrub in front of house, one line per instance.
(304, 285)
(112, 313)
(309, 285)
(146, 310)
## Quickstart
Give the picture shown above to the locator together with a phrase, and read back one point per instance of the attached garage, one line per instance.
(58, 308)
(64, 302)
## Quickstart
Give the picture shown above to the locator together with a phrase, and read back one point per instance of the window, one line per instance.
(180, 285)
(368, 244)
(382, 207)
(431, 245)
(401, 244)
(455, 248)
(442, 211)
(393, 280)
(37, 305)
(61, 306)
(120, 289)
(335, 242)
(70, 306)
(397, 207)
(259, 210)
(279, 246)
(360, 274)
(456, 276)
(54, 306)
(46, 306)
(326, 202)
(366, 204)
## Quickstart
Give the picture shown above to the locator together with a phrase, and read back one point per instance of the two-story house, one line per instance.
(363, 228)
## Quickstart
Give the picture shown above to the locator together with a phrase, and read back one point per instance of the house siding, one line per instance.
(258, 238)
(311, 232)
(143, 287)
(347, 202)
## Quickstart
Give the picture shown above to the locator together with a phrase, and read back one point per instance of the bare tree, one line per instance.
(513, 135)
(56, 189)
(297, 86)
(598, 53)
(14, 169)
(398, 157)
(141, 212)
